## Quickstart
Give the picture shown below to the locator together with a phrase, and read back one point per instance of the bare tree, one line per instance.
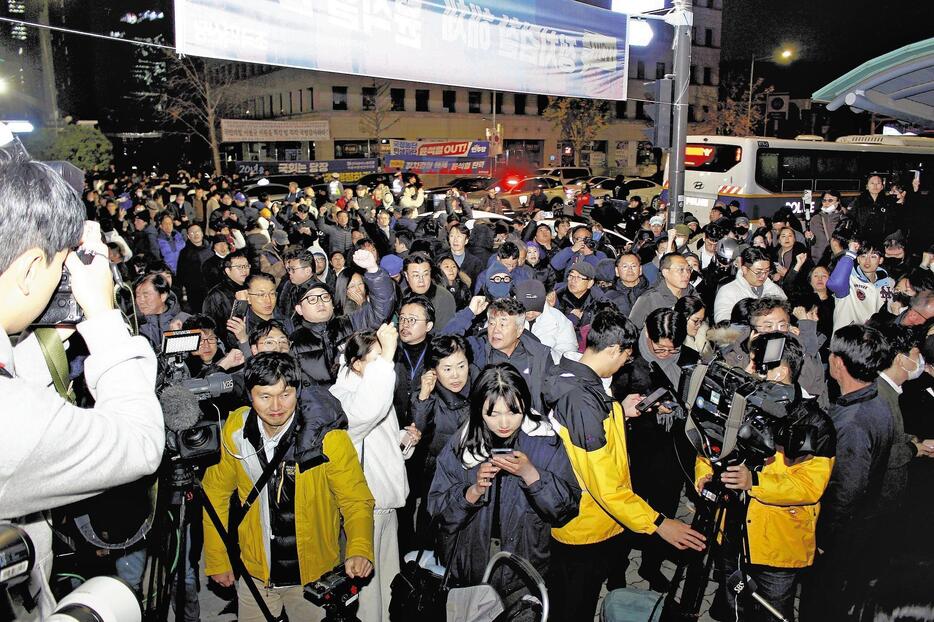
(196, 96)
(578, 120)
(731, 114)
(377, 116)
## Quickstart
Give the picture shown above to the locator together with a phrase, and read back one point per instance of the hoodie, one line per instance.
(857, 298)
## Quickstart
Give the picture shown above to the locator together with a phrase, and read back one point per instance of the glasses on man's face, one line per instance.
(696, 321)
(420, 276)
(761, 272)
(578, 277)
(242, 267)
(628, 266)
(501, 279)
(313, 299)
(405, 320)
(660, 350)
(293, 269)
(209, 340)
(771, 327)
(275, 343)
(263, 295)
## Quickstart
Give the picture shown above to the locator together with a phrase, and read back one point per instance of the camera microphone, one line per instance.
(736, 584)
(179, 408)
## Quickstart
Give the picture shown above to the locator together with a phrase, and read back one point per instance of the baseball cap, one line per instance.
(683, 229)
(392, 264)
(657, 221)
(531, 294)
(280, 237)
(240, 197)
(584, 269)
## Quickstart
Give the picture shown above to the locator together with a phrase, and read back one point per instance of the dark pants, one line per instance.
(775, 585)
(577, 572)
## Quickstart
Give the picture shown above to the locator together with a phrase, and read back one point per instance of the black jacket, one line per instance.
(189, 276)
(876, 219)
(625, 297)
(218, 304)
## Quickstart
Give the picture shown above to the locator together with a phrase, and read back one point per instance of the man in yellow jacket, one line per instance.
(289, 535)
(592, 426)
(784, 498)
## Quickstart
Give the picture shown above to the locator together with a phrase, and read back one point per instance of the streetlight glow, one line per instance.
(3, 86)
(786, 53)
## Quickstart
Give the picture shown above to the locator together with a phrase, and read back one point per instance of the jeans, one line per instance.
(775, 585)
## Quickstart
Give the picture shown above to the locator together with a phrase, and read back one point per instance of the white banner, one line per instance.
(248, 130)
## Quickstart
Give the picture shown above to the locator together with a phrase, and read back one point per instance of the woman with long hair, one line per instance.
(501, 483)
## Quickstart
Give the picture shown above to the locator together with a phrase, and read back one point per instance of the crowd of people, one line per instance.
(474, 385)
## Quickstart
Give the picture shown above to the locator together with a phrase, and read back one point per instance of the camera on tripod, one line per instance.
(334, 591)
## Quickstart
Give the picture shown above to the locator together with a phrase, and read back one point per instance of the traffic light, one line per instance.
(659, 111)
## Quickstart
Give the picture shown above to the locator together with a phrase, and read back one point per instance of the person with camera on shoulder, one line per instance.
(288, 529)
(58, 453)
(784, 496)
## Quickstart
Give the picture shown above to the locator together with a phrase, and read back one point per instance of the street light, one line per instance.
(786, 54)
(3, 86)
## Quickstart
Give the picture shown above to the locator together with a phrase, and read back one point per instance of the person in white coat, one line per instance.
(752, 281)
(552, 327)
(364, 388)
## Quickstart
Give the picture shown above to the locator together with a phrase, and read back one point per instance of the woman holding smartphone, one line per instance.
(501, 483)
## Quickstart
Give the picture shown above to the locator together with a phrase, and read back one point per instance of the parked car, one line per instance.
(565, 173)
(435, 196)
(514, 192)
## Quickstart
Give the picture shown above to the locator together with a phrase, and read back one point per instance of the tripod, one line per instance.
(718, 506)
(167, 557)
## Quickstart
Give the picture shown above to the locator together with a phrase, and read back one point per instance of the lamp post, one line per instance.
(785, 54)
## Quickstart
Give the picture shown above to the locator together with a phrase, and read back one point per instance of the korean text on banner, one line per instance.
(550, 47)
(248, 130)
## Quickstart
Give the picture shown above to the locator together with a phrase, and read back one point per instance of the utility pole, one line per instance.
(682, 19)
(48, 66)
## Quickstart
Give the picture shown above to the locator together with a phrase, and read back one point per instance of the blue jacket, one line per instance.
(170, 248)
(566, 257)
(526, 513)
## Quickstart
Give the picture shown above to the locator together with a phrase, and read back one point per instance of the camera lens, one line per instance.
(195, 437)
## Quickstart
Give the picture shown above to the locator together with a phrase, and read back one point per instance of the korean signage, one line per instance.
(349, 170)
(441, 148)
(248, 130)
(551, 47)
(437, 165)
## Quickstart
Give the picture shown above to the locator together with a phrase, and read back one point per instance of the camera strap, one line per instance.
(53, 350)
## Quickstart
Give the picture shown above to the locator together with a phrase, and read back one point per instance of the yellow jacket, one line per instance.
(782, 518)
(593, 428)
(323, 494)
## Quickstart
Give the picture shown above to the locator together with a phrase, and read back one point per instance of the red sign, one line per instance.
(697, 155)
(458, 149)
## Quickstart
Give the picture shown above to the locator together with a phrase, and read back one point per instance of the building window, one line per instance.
(542, 104)
(693, 74)
(473, 101)
(659, 71)
(640, 70)
(339, 98)
(421, 100)
(308, 99)
(397, 100)
(692, 115)
(449, 101)
(497, 100)
(708, 76)
(708, 37)
(640, 110)
(519, 103)
(621, 110)
(369, 98)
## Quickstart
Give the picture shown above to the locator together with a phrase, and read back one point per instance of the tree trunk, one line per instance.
(215, 146)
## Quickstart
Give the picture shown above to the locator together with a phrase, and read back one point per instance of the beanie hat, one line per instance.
(606, 270)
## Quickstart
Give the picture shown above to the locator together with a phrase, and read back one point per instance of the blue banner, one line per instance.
(550, 47)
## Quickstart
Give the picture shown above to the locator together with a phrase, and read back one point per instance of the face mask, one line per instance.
(829, 209)
(597, 235)
(916, 373)
(741, 231)
(497, 290)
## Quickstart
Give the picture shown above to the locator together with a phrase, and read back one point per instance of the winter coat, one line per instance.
(189, 275)
(170, 247)
(526, 513)
(339, 238)
(822, 227)
(154, 326)
(554, 330)
(625, 297)
(219, 303)
(740, 289)
(659, 296)
(876, 219)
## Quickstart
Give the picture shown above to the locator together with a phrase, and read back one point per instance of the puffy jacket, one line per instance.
(740, 289)
(567, 302)
(593, 429)
(877, 218)
(374, 429)
(566, 258)
(190, 276)
(625, 297)
(857, 298)
(326, 495)
(155, 325)
(526, 513)
(441, 415)
(170, 247)
(316, 345)
(781, 521)
(554, 330)
(659, 296)
(339, 238)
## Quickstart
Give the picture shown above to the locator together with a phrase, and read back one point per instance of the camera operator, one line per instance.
(57, 453)
(781, 519)
(290, 535)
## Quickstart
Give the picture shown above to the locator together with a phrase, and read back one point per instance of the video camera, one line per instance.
(334, 592)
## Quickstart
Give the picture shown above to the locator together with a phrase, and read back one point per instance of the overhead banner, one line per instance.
(551, 47)
(248, 130)
(349, 170)
(441, 148)
(437, 165)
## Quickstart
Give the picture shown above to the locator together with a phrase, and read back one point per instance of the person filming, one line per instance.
(54, 453)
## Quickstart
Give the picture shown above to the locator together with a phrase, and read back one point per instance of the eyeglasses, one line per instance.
(296, 268)
(579, 277)
(275, 343)
(410, 319)
(628, 266)
(264, 295)
(761, 272)
(696, 321)
(313, 299)
(771, 327)
(209, 340)
(657, 349)
(501, 279)
(240, 267)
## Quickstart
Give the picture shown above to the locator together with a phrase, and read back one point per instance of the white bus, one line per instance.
(765, 174)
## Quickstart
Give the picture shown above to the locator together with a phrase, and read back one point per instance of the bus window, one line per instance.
(796, 172)
(836, 170)
(710, 157)
(767, 170)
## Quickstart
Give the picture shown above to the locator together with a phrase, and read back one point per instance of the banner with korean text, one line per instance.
(550, 47)
(423, 165)
(349, 170)
(249, 130)
(440, 148)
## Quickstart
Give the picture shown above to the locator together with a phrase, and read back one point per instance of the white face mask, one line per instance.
(916, 373)
(828, 210)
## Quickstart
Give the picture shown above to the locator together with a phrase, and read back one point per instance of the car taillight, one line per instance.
(512, 182)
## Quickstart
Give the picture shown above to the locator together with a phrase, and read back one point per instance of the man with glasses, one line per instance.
(674, 284)
(261, 298)
(823, 223)
(859, 284)
(752, 281)
(576, 300)
(582, 249)
(629, 284)
(417, 269)
(300, 267)
(219, 301)
(320, 333)
(269, 336)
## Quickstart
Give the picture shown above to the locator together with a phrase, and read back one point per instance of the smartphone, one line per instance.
(548, 214)
(501, 451)
(649, 401)
(239, 309)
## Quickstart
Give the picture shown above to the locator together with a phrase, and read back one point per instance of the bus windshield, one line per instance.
(711, 157)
